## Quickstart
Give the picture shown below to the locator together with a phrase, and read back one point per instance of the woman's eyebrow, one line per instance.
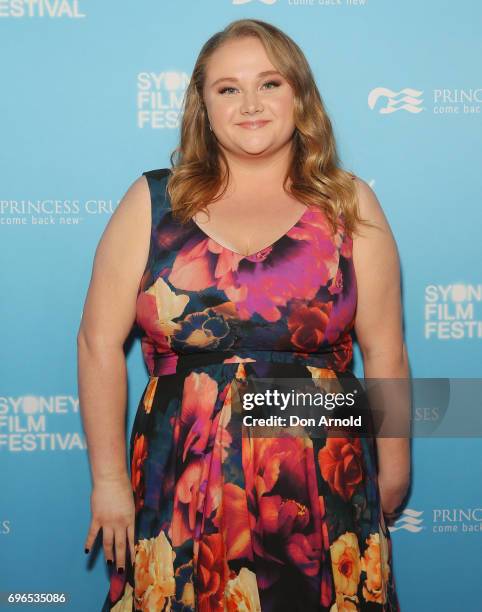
(261, 74)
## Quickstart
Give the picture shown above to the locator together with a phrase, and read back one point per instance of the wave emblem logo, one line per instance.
(406, 99)
(409, 521)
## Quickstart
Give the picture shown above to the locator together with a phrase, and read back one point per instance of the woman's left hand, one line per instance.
(392, 496)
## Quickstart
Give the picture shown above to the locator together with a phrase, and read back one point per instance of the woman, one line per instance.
(271, 285)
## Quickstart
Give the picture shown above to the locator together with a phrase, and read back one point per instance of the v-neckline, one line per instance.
(217, 243)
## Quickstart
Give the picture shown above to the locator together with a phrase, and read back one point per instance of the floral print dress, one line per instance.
(224, 520)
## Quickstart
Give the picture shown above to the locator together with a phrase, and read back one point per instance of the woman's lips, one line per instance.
(253, 125)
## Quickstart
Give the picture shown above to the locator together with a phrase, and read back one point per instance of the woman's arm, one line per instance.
(108, 315)
(379, 331)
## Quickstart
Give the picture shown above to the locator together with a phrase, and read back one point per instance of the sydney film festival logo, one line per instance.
(160, 97)
(453, 312)
(36, 423)
(49, 9)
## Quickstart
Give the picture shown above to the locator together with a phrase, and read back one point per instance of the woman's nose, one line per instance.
(251, 102)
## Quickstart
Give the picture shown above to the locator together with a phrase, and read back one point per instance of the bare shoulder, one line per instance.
(370, 241)
(377, 269)
(130, 221)
(136, 200)
(369, 206)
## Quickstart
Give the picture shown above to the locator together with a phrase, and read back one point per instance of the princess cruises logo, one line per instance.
(407, 99)
(457, 521)
(447, 101)
(53, 211)
(452, 312)
(160, 98)
(410, 520)
(445, 521)
(442, 101)
(50, 9)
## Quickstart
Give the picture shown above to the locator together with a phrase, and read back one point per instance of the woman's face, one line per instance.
(236, 91)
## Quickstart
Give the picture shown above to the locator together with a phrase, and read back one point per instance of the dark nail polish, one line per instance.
(86, 550)
(120, 570)
(109, 562)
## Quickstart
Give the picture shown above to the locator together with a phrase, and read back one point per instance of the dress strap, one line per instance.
(157, 180)
(160, 206)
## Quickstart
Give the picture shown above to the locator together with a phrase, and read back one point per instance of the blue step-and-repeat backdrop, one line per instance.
(91, 92)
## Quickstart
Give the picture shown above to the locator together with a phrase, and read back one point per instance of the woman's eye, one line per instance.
(225, 89)
(275, 83)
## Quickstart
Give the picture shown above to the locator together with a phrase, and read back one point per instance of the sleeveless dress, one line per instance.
(226, 521)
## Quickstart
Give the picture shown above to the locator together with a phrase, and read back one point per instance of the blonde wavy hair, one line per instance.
(316, 174)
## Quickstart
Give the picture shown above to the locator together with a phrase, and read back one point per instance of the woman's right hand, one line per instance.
(113, 509)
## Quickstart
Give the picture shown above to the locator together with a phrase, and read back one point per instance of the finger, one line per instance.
(108, 543)
(130, 537)
(120, 548)
(91, 535)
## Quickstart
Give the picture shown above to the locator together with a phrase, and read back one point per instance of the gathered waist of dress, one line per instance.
(335, 358)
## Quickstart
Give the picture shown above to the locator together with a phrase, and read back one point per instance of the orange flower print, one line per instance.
(149, 394)
(188, 596)
(194, 429)
(137, 477)
(336, 283)
(187, 502)
(184, 577)
(341, 465)
(241, 593)
(307, 326)
(235, 530)
(377, 570)
(154, 574)
(168, 305)
(346, 564)
(125, 604)
(228, 518)
(345, 604)
(213, 572)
